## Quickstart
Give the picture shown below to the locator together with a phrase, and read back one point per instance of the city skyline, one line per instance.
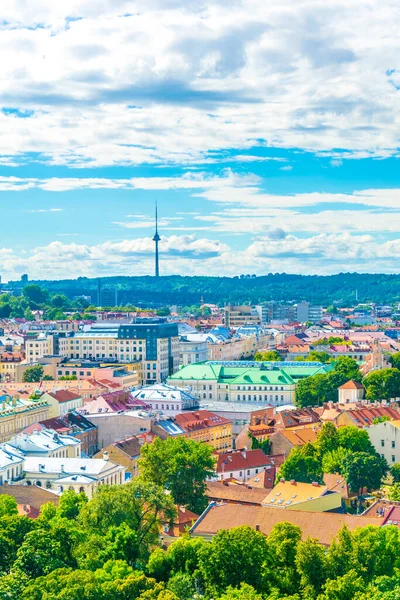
(268, 134)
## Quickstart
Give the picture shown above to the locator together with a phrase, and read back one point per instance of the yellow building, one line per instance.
(125, 453)
(207, 427)
(311, 497)
(16, 414)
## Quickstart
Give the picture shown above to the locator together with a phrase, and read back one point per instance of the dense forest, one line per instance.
(341, 289)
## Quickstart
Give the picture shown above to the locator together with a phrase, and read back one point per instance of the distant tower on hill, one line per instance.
(156, 239)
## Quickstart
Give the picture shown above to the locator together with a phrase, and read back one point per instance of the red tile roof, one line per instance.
(64, 396)
(351, 385)
(202, 419)
(363, 417)
(237, 461)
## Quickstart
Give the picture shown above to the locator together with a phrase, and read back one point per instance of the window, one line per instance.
(393, 444)
(382, 443)
(393, 458)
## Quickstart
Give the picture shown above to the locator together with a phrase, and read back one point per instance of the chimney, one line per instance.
(282, 480)
(62, 469)
(315, 484)
(257, 527)
(105, 455)
(293, 481)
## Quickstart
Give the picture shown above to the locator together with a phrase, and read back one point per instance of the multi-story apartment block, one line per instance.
(237, 316)
(152, 342)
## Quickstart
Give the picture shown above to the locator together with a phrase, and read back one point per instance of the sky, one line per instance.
(268, 133)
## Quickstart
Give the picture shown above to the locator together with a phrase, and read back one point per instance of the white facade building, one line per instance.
(167, 399)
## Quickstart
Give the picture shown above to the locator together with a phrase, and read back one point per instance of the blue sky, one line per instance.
(268, 135)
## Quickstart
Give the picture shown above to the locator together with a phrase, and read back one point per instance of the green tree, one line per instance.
(327, 438)
(268, 355)
(343, 588)
(394, 492)
(8, 505)
(363, 471)
(183, 585)
(233, 557)
(163, 312)
(139, 504)
(48, 378)
(181, 466)
(302, 467)
(332, 462)
(244, 592)
(395, 360)
(60, 301)
(34, 293)
(39, 554)
(395, 472)
(319, 356)
(282, 549)
(33, 374)
(311, 565)
(71, 503)
(354, 439)
(374, 384)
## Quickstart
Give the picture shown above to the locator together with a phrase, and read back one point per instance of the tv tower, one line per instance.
(156, 239)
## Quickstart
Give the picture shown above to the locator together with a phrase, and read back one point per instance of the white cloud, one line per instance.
(117, 82)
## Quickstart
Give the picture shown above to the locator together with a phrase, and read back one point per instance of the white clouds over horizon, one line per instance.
(131, 82)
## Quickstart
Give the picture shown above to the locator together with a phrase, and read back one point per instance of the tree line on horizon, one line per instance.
(184, 290)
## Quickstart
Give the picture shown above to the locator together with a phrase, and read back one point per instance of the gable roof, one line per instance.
(65, 396)
(246, 459)
(237, 492)
(351, 385)
(29, 495)
(130, 446)
(322, 526)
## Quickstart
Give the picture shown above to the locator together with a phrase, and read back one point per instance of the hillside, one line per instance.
(341, 288)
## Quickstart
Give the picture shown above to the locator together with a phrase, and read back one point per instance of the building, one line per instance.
(167, 399)
(351, 391)
(336, 483)
(78, 474)
(241, 465)
(246, 381)
(236, 316)
(152, 341)
(114, 402)
(17, 413)
(11, 465)
(75, 424)
(283, 441)
(29, 498)
(39, 441)
(364, 416)
(308, 313)
(113, 427)
(207, 427)
(235, 492)
(310, 497)
(61, 402)
(385, 437)
(240, 413)
(322, 526)
(115, 376)
(125, 452)
(192, 351)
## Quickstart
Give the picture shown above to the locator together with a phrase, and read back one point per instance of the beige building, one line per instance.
(311, 497)
(78, 474)
(113, 427)
(16, 414)
(62, 402)
(237, 316)
(125, 452)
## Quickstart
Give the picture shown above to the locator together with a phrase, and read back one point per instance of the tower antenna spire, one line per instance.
(156, 240)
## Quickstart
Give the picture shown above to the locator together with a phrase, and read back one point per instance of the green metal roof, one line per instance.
(246, 375)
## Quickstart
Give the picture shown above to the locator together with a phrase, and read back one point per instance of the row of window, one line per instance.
(383, 443)
(393, 457)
